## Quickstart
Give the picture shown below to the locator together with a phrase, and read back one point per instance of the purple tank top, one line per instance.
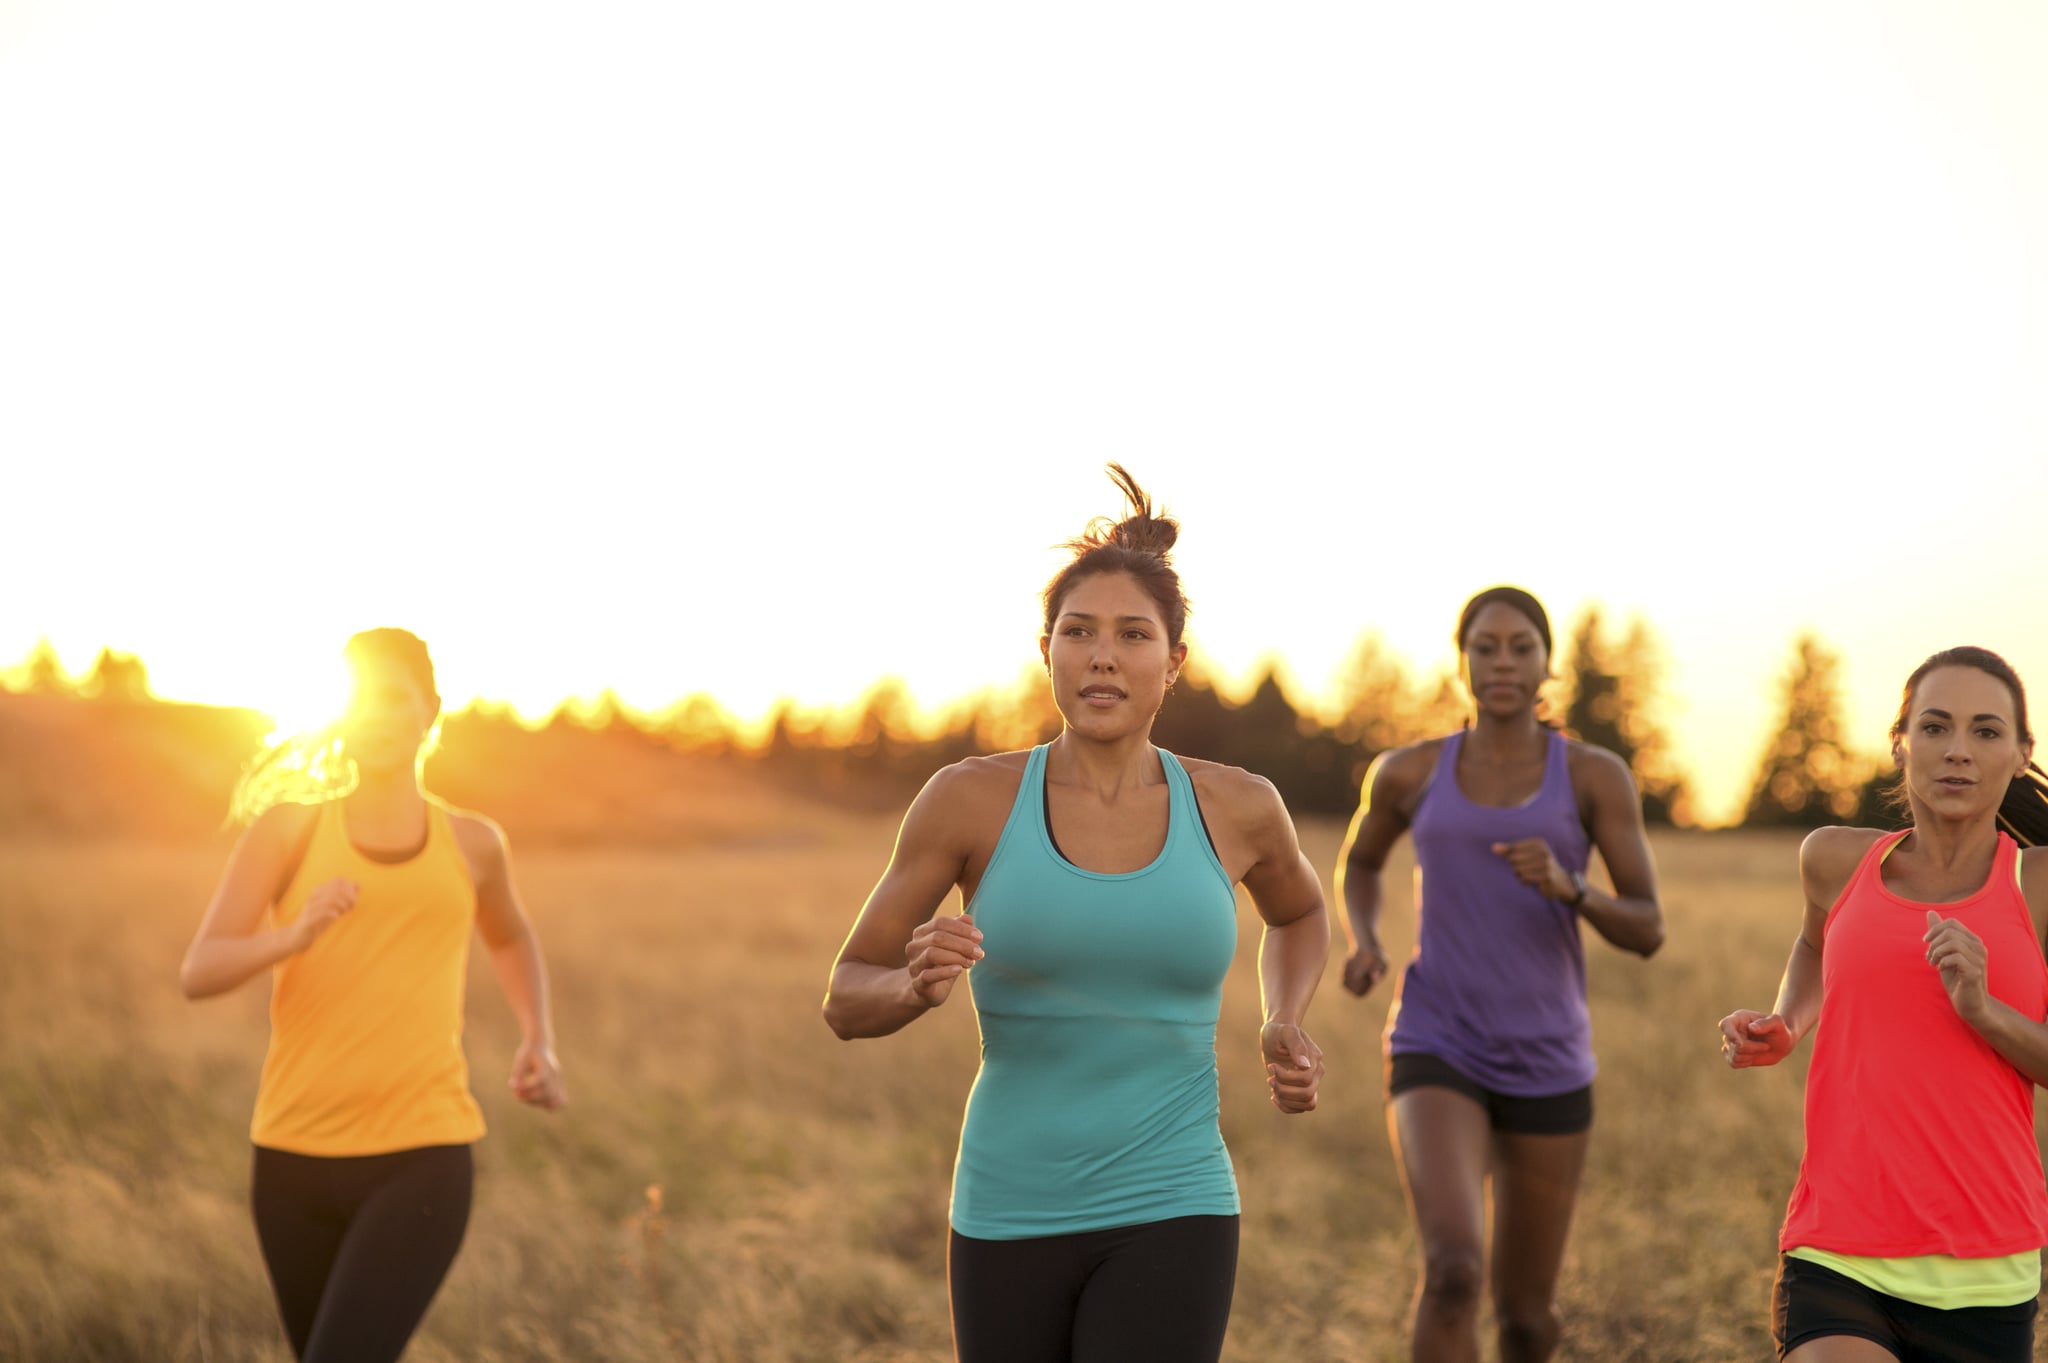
(1497, 984)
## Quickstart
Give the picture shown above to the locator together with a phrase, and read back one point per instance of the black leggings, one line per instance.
(1153, 1293)
(357, 1246)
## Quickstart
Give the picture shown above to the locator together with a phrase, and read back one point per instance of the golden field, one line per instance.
(800, 1211)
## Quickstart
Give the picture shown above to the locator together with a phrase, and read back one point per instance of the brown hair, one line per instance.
(1139, 544)
(2024, 810)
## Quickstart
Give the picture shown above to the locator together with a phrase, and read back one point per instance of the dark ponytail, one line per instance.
(2024, 810)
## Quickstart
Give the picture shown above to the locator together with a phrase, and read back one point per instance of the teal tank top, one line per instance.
(1097, 998)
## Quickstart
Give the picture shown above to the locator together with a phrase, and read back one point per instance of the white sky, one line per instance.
(765, 349)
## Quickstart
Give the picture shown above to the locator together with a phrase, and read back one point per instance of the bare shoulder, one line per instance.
(1596, 767)
(1401, 773)
(967, 798)
(1828, 857)
(2034, 873)
(277, 838)
(1241, 798)
(992, 775)
(1601, 781)
(1244, 814)
(284, 824)
(479, 836)
(1399, 776)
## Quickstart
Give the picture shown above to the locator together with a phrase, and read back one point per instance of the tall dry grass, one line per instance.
(732, 1184)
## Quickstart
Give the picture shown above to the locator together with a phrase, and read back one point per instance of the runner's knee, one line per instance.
(1452, 1276)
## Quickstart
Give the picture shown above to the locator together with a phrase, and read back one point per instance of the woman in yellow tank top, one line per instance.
(361, 905)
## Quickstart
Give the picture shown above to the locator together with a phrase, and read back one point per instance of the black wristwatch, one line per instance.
(1579, 886)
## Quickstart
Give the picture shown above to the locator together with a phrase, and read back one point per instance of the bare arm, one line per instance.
(1959, 955)
(1379, 823)
(516, 958)
(1295, 940)
(900, 961)
(231, 946)
(1749, 1038)
(1630, 916)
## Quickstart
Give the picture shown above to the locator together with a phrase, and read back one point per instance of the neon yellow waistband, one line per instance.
(1939, 1280)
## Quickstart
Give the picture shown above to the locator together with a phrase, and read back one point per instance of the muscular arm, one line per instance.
(1959, 955)
(1295, 944)
(1748, 1038)
(230, 946)
(1389, 786)
(515, 958)
(899, 961)
(1630, 916)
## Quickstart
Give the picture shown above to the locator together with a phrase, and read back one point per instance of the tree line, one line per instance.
(1610, 692)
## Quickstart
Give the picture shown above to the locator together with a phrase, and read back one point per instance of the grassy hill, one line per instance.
(72, 767)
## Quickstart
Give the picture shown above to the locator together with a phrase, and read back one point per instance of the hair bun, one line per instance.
(1146, 532)
(1142, 530)
(1138, 545)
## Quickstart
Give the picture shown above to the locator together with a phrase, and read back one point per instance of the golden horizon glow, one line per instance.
(1717, 789)
(1387, 305)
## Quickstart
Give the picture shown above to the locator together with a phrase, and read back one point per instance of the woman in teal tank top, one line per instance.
(1094, 1212)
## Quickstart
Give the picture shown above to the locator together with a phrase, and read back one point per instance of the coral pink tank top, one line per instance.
(1919, 1135)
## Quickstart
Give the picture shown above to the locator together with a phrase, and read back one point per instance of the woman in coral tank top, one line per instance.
(1916, 1225)
(361, 906)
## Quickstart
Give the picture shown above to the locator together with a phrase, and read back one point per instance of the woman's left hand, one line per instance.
(537, 1078)
(1535, 865)
(1958, 954)
(1294, 1066)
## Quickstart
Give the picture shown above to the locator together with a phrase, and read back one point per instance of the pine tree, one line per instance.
(1615, 696)
(1593, 712)
(1377, 699)
(116, 676)
(41, 673)
(1808, 775)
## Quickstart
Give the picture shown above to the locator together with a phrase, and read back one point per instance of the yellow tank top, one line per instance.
(366, 1024)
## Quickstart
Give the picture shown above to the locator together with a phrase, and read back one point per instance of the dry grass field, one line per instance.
(732, 1184)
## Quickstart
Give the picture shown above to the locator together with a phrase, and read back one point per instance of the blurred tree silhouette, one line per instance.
(1267, 734)
(1808, 776)
(1612, 690)
(1380, 706)
(1003, 719)
(877, 751)
(116, 676)
(40, 673)
(699, 724)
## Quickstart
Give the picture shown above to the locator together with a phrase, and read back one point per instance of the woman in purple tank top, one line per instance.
(1489, 1051)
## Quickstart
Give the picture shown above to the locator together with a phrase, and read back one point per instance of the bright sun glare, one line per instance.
(308, 708)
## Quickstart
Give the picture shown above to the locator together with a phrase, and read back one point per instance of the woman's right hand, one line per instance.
(940, 952)
(1750, 1038)
(1365, 967)
(323, 907)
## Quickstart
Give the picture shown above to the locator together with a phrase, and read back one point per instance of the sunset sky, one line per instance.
(765, 349)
